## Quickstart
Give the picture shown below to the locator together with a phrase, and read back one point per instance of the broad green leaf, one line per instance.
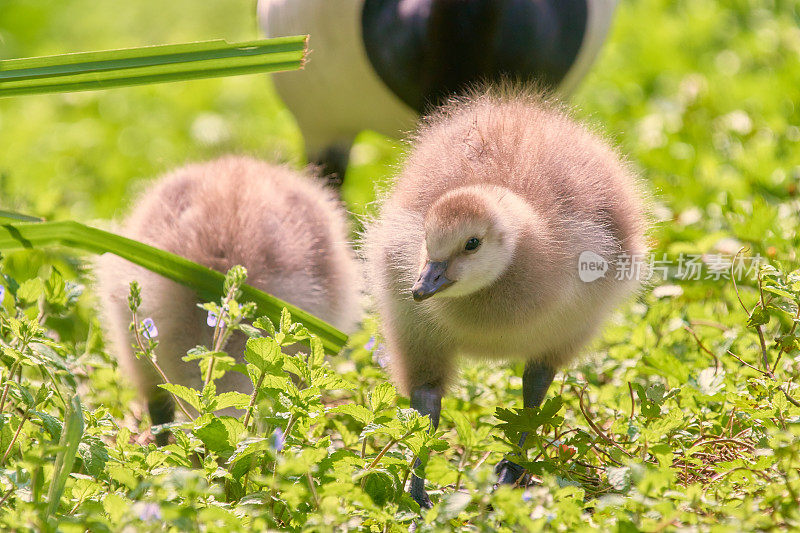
(116, 506)
(466, 434)
(94, 455)
(232, 399)
(31, 290)
(329, 381)
(220, 435)
(263, 353)
(50, 423)
(317, 356)
(186, 394)
(780, 292)
(87, 71)
(359, 412)
(208, 283)
(759, 317)
(382, 397)
(55, 288)
(266, 324)
(380, 485)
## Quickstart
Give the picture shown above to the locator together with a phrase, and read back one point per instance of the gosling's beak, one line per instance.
(431, 280)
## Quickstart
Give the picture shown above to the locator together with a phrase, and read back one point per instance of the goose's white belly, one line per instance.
(337, 94)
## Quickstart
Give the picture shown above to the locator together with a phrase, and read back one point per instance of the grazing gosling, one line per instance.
(285, 228)
(476, 251)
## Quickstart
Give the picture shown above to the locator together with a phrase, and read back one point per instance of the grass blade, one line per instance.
(68, 447)
(13, 216)
(86, 71)
(208, 283)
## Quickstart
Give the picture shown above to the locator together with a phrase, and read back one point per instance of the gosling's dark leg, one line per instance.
(162, 411)
(332, 164)
(426, 401)
(535, 381)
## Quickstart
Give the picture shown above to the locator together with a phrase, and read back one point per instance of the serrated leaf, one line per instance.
(94, 455)
(359, 412)
(779, 292)
(220, 435)
(50, 423)
(327, 381)
(530, 419)
(382, 397)
(759, 317)
(190, 396)
(655, 392)
(466, 434)
(250, 331)
(380, 485)
(285, 321)
(232, 399)
(297, 366)
(115, 506)
(21, 392)
(31, 290)
(411, 421)
(266, 324)
(317, 356)
(263, 353)
(55, 288)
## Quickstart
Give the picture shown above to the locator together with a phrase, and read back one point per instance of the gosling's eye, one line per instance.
(472, 244)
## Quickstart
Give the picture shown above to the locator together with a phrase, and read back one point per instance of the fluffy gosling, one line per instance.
(285, 228)
(476, 250)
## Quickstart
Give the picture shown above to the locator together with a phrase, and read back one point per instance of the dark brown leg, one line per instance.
(535, 381)
(332, 164)
(162, 411)
(426, 401)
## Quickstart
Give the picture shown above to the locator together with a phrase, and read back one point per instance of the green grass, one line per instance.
(661, 427)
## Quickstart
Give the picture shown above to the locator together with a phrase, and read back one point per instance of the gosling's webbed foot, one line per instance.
(510, 473)
(417, 491)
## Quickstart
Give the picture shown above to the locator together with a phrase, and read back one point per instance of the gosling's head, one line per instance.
(469, 242)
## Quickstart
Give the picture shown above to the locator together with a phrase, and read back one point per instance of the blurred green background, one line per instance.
(703, 95)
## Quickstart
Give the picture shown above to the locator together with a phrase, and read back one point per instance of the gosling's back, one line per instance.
(284, 227)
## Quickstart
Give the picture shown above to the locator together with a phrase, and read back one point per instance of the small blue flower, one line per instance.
(211, 320)
(150, 511)
(2, 293)
(150, 329)
(277, 440)
(370, 343)
(527, 496)
(380, 357)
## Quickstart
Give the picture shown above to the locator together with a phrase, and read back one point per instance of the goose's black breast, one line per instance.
(426, 50)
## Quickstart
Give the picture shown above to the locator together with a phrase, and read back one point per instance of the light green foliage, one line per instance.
(683, 415)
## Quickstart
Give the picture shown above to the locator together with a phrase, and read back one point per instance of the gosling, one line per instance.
(481, 248)
(285, 228)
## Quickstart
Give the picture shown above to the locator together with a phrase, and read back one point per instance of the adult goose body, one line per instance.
(378, 64)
